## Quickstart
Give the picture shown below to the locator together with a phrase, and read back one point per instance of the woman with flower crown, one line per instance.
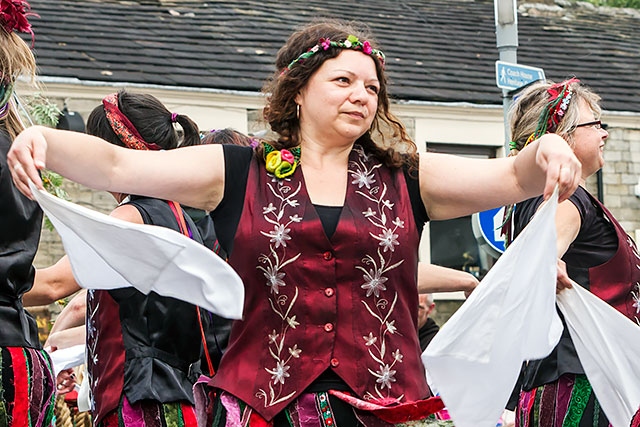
(27, 384)
(595, 251)
(322, 223)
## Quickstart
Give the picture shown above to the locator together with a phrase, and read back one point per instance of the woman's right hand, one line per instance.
(26, 157)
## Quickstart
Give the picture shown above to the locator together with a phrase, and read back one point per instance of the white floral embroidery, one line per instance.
(388, 239)
(271, 265)
(279, 235)
(370, 340)
(635, 294)
(279, 373)
(362, 179)
(385, 376)
(397, 355)
(374, 282)
(636, 297)
(295, 351)
(92, 343)
(374, 269)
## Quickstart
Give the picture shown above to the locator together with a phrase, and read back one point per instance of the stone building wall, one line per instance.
(620, 176)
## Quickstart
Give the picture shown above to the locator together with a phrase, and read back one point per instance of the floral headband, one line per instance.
(122, 126)
(14, 16)
(553, 113)
(351, 42)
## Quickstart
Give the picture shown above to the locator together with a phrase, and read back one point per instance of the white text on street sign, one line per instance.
(513, 76)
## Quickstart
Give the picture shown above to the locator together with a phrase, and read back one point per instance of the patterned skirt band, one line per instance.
(150, 414)
(569, 401)
(27, 387)
(329, 409)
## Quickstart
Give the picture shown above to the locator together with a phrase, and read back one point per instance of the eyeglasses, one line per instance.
(596, 124)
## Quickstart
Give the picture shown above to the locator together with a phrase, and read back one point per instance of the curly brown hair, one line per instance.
(394, 148)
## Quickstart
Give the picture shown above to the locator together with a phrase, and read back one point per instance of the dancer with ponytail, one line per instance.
(143, 351)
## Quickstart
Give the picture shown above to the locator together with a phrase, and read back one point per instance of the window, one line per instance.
(452, 243)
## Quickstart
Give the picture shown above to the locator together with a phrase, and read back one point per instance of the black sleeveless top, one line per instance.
(20, 225)
(595, 244)
(161, 335)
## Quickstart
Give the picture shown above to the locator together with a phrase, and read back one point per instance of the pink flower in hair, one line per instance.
(325, 43)
(366, 47)
(14, 15)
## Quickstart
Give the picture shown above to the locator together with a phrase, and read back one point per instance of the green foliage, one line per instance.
(43, 112)
(634, 4)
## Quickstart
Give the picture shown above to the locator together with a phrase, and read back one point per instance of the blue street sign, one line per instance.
(513, 76)
(486, 229)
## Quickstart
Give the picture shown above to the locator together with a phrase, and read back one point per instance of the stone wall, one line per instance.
(620, 176)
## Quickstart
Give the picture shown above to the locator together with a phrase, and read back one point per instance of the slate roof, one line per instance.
(437, 50)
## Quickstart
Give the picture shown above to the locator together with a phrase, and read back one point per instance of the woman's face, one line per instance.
(588, 141)
(340, 100)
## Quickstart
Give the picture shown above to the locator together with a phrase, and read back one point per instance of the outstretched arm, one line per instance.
(193, 176)
(454, 186)
(435, 278)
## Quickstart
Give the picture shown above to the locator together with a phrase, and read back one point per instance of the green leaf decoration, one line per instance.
(44, 112)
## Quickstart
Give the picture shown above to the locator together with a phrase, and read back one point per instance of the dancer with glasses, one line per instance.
(595, 252)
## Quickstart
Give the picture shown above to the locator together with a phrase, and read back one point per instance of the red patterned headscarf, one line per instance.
(122, 126)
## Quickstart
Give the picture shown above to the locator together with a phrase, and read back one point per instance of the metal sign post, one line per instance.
(507, 41)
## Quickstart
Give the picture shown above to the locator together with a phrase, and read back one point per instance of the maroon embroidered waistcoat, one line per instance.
(617, 281)
(312, 304)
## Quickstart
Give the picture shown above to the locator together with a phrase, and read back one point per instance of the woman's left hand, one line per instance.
(561, 165)
(563, 280)
(66, 381)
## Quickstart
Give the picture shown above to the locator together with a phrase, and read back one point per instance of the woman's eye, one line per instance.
(374, 89)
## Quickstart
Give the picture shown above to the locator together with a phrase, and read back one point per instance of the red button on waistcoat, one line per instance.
(335, 362)
(329, 292)
(327, 256)
(328, 327)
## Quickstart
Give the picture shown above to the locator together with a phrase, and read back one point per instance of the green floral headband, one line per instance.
(351, 42)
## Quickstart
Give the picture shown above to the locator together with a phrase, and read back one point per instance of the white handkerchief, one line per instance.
(66, 358)
(608, 345)
(475, 358)
(108, 253)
